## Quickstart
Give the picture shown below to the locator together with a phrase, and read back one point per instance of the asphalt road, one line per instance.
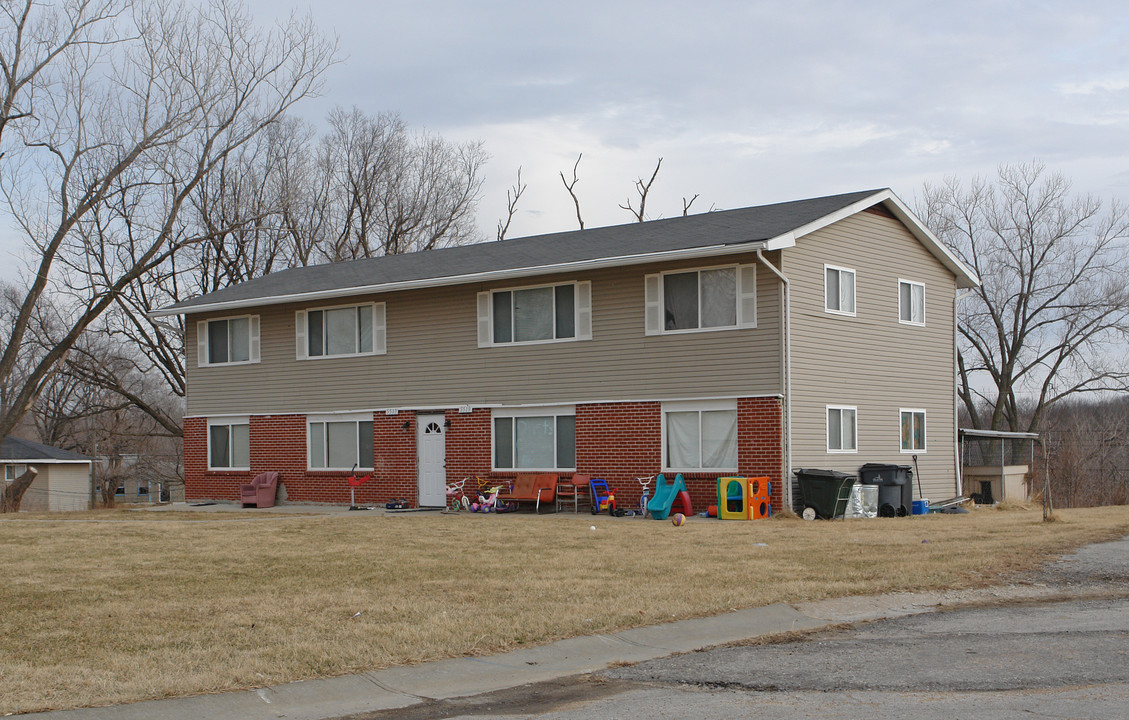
(1064, 659)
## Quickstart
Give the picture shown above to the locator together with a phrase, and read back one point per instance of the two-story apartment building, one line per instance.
(816, 333)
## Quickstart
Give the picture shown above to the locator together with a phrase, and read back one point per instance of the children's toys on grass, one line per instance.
(743, 498)
(678, 520)
(646, 495)
(603, 498)
(666, 495)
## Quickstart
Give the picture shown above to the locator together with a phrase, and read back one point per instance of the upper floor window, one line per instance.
(550, 313)
(229, 444)
(913, 430)
(700, 435)
(839, 290)
(228, 341)
(341, 331)
(911, 302)
(706, 299)
(842, 429)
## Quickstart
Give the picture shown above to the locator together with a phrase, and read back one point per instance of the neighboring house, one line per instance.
(816, 333)
(63, 482)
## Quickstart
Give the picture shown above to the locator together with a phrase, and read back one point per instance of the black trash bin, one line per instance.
(895, 487)
(825, 492)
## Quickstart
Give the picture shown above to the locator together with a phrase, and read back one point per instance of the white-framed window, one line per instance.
(340, 331)
(339, 442)
(842, 429)
(229, 444)
(839, 290)
(541, 314)
(699, 435)
(911, 302)
(913, 430)
(535, 438)
(227, 341)
(715, 298)
(11, 472)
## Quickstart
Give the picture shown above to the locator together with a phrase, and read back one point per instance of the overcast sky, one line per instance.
(747, 102)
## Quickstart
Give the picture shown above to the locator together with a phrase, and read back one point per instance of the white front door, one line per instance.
(431, 452)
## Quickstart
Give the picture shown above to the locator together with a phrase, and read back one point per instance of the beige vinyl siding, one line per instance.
(433, 358)
(871, 361)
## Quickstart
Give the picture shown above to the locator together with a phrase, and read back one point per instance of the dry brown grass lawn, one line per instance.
(113, 607)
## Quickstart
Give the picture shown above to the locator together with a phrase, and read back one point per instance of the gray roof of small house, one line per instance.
(15, 449)
(548, 253)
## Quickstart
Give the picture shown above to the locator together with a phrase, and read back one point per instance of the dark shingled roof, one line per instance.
(15, 449)
(728, 227)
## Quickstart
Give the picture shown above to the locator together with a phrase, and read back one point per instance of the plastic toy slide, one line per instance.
(666, 495)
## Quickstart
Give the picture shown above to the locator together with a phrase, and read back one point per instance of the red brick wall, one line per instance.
(622, 441)
(615, 441)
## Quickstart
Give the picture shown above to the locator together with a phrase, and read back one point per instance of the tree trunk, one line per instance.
(14, 493)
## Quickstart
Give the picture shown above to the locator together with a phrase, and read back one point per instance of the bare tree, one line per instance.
(143, 106)
(1051, 317)
(572, 193)
(686, 204)
(513, 194)
(644, 188)
(392, 191)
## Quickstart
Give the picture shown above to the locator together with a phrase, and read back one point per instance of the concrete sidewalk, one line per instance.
(401, 687)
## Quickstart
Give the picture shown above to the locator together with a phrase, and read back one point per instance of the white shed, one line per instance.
(63, 482)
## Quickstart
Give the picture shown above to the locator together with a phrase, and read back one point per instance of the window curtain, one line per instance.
(342, 437)
(534, 442)
(317, 445)
(719, 439)
(241, 446)
(835, 429)
(682, 446)
(221, 448)
(719, 298)
(240, 339)
(847, 292)
(533, 314)
(341, 332)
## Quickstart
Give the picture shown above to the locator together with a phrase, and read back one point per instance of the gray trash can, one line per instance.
(895, 487)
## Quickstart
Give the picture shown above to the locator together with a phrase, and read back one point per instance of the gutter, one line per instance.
(786, 352)
(956, 399)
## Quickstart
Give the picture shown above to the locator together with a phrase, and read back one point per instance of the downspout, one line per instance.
(956, 402)
(786, 357)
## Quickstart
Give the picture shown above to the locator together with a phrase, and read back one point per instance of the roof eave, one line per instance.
(490, 276)
(966, 278)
